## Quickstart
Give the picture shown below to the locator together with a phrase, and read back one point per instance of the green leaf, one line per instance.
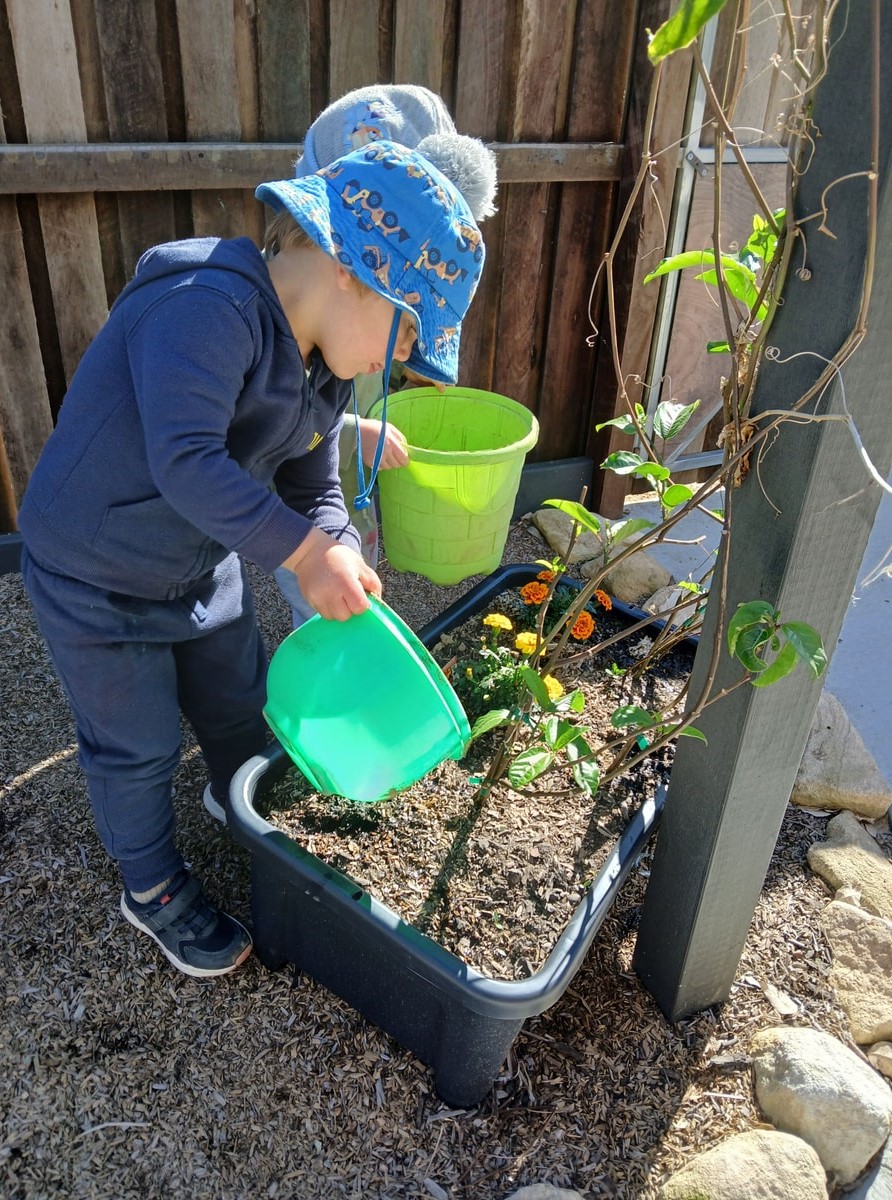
(718, 348)
(578, 512)
(807, 643)
(566, 733)
(578, 748)
(535, 685)
(748, 642)
(670, 418)
(678, 262)
(679, 493)
(782, 665)
(652, 470)
(490, 720)
(624, 424)
(692, 732)
(620, 530)
(529, 765)
(622, 462)
(631, 714)
(575, 701)
(755, 612)
(682, 27)
(739, 280)
(588, 776)
(690, 585)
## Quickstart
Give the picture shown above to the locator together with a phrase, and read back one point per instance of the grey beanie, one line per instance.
(414, 117)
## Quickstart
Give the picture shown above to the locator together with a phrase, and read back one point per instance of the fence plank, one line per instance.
(419, 27)
(207, 53)
(25, 417)
(603, 48)
(529, 216)
(43, 43)
(283, 64)
(195, 166)
(129, 49)
(245, 51)
(482, 67)
(353, 56)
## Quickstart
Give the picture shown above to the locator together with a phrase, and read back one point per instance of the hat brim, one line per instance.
(313, 204)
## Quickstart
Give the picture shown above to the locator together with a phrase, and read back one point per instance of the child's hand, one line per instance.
(332, 577)
(394, 453)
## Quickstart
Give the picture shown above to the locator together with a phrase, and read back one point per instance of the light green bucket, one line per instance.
(446, 515)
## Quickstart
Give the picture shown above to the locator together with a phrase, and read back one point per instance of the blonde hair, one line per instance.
(284, 233)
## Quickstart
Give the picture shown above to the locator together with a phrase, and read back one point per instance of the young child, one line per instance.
(415, 117)
(201, 428)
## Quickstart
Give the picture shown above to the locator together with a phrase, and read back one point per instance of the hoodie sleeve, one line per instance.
(190, 355)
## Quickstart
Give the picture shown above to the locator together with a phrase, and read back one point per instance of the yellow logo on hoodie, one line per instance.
(317, 438)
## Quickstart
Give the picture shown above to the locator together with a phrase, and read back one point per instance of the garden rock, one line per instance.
(851, 858)
(632, 580)
(876, 1184)
(759, 1165)
(811, 1085)
(861, 972)
(667, 598)
(880, 1056)
(543, 1191)
(556, 528)
(837, 770)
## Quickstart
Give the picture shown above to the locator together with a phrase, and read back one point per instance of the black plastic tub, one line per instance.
(459, 1022)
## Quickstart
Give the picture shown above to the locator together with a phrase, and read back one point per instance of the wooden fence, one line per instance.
(131, 122)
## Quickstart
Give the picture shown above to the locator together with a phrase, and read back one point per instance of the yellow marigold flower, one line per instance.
(583, 627)
(525, 642)
(497, 621)
(546, 575)
(534, 593)
(469, 672)
(555, 691)
(604, 600)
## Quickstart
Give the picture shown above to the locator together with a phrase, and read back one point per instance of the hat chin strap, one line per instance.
(363, 500)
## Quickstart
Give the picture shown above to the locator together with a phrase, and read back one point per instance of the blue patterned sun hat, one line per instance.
(396, 223)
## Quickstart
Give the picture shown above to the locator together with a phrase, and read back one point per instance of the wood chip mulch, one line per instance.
(120, 1078)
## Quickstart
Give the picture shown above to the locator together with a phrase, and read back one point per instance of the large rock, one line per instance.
(880, 1056)
(543, 1191)
(633, 580)
(811, 1085)
(851, 858)
(861, 974)
(556, 527)
(760, 1165)
(837, 769)
(876, 1183)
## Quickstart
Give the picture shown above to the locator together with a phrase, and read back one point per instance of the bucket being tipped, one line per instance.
(446, 514)
(360, 705)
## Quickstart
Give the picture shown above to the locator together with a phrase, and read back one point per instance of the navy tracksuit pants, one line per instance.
(129, 666)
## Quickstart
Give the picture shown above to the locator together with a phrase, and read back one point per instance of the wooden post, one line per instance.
(799, 528)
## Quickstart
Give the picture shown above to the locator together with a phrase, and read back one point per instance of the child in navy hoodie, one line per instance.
(201, 429)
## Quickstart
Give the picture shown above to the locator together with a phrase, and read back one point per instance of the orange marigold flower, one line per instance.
(583, 627)
(546, 575)
(534, 593)
(604, 600)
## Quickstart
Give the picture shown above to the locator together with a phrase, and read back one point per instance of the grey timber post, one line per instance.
(798, 529)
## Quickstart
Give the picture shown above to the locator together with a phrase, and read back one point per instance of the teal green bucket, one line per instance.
(361, 707)
(446, 515)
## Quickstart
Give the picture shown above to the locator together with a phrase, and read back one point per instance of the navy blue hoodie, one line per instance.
(189, 407)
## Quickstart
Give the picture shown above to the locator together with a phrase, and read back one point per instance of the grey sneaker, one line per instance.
(193, 934)
(213, 805)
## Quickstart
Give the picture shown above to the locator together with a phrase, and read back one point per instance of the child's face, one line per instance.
(356, 342)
